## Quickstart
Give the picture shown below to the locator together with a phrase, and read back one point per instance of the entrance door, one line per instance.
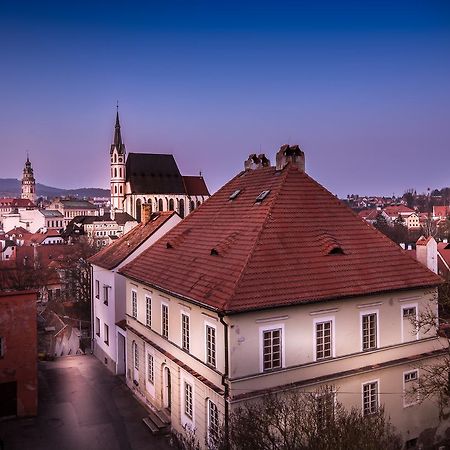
(167, 389)
(8, 396)
(120, 354)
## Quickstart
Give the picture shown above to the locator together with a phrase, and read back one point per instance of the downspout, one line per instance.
(225, 379)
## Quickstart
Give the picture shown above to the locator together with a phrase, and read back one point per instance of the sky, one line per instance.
(362, 87)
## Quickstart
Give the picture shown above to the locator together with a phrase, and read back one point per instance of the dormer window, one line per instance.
(234, 194)
(262, 196)
(336, 251)
(214, 252)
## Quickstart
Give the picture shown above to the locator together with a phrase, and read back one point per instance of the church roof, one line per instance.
(273, 238)
(195, 185)
(150, 173)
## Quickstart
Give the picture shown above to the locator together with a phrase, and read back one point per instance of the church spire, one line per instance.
(117, 142)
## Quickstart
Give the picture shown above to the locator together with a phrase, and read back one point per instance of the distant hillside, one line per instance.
(10, 187)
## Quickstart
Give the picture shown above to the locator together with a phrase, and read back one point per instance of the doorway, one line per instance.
(167, 394)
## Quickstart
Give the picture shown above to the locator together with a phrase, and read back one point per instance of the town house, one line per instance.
(274, 284)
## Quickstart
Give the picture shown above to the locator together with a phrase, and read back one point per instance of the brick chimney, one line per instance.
(146, 212)
(256, 162)
(292, 154)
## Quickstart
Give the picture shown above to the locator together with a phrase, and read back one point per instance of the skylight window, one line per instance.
(234, 194)
(262, 196)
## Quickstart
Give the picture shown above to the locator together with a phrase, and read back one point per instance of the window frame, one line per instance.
(97, 289)
(134, 307)
(408, 402)
(212, 437)
(105, 294)
(106, 333)
(135, 356)
(377, 329)
(211, 359)
(262, 330)
(185, 334)
(97, 326)
(188, 395)
(323, 320)
(148, 310)
(377, 396)
(150, 368)
(402, 318)
(164, 321)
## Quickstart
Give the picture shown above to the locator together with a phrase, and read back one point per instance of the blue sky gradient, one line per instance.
(363, 87)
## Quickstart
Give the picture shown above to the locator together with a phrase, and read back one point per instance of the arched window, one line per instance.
(160, 204)
(111, 172)
(138, 210)
(115, 157)
(120, 172)
(115, 172)
(120, 189)
(115, 189)
(182, 208)
(192, 207)
(198, 203)
(171, 207)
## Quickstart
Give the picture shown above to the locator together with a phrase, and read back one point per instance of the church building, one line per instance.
(152, 179)
(28, 182)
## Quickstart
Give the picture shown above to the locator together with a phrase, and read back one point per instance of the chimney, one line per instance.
(256, 162)
(146, 212)
(426, 253)
(292, 154)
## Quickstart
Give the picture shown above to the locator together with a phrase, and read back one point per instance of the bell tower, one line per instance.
(28, 182)
(117, 158)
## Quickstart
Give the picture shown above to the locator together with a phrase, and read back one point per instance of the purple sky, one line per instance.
(362, 87)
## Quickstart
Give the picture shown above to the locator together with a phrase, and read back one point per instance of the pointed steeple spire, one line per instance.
(117, 142)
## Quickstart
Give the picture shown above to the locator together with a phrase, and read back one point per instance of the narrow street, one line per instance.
(81, 406)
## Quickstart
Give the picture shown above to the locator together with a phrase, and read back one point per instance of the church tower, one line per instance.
(28, 182)
(117, 154)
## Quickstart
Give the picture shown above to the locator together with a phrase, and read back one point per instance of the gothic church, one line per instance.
(152, 179)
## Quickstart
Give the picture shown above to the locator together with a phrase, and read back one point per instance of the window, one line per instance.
(106, 334)
(410, 330)
(325, 408)
(171, 205)
(409, 313)
(97, 326)
(369, 331)
(150, 369)
(185, 332)
(134, 304)
(2, 347)
(105, 294)
(165, 321)
(213, 423)
(188, 400)
(272, 349)
(370, 398)
(136, 356)
(323, 339)
(210, 346)
(410, 380)
(148, 311)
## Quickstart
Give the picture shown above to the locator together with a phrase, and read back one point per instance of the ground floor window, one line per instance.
(213, 422)
(188, 400)
(370, 398)
(150, 369)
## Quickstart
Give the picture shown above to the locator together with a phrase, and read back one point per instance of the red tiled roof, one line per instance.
(195, 185)
(369, 214)
(444, 252)
(396, 210)
(112, 255)
(235, 255)
(18, 230)
(441, 211)
(423, 240)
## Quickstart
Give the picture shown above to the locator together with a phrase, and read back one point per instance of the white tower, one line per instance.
(117, 154)
(28, 182)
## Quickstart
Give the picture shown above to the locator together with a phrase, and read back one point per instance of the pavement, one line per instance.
(82, 406)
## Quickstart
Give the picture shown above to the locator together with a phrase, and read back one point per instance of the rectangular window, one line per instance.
(97, 289)
(97, 326)
(148, 311)
(272, 349)
(323, 340)
(210, 346)
(106, 334)
(370, 398)
(185, 332)
(150, 369)
(188, 400)
(165, 321)
(213, 423)
(2, 347)
(409, 313)
(134, 304)
(136, 356)
(325, 409)
(411, 396)
(369, 331)
(105, 294)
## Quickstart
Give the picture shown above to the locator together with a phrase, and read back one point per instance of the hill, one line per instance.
(10, 187)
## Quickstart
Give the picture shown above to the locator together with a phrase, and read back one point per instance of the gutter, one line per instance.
(225, 378)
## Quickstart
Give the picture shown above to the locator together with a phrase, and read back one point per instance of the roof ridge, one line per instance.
(257, 236)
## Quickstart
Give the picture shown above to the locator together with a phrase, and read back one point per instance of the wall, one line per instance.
(18, 327)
